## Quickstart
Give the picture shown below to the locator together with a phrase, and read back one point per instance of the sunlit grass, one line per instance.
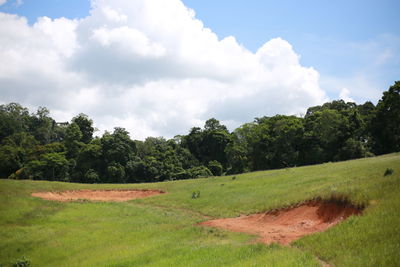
(162, 231)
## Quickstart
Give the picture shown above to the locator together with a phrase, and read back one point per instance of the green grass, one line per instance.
(162, 231)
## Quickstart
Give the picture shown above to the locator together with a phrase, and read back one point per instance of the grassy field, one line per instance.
(162, 231)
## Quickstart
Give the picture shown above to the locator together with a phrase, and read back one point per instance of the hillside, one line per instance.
(34, 146)
(162, 230)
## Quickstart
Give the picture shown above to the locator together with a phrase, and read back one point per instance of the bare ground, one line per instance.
(97, 195)
(286, 225)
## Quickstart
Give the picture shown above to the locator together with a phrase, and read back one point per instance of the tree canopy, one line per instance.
(34, 146)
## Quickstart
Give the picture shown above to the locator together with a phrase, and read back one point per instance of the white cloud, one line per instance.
(345, 95)
(149, 66)
(17, 2)
(363, 87)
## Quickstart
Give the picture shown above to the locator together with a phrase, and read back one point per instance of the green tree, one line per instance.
(213, 125)
(85, 125)
(215, 167)
(209, 144)
(386, 124)
(13, 119)
(10, 160)
(118, 147)
(240, 150)
(14, 151)
(42, 126)
(286, 133)
(136, 171)
(325, 133)
(51, 166)
(198, 172)
(116, 173)
(72, 140)
(90, 157)
(352, 149)
(37, 151)
(159, 159)
(193, 141)
(92, 177)
(56, 166)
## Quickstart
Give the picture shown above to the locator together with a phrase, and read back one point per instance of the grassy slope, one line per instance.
(161, 231)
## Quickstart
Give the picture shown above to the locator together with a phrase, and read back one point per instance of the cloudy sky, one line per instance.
(160, 67)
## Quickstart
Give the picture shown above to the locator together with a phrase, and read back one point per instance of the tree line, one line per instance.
(34, 146)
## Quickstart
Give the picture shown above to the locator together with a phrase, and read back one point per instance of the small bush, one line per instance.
(195, 194)
(23, 262)
(181, 175)
(12, 176)
(233, 178)
(215, 167)
(388, 172)
(91, 177)
(199, 172)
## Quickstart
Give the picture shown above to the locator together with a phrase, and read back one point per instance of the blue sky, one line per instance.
(50, 8)
(339, 38)
(353, 46)
(300, 22)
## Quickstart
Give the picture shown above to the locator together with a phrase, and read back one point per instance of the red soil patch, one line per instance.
(286, 225)
(98, 195)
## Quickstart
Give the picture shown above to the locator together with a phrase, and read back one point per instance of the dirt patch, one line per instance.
(286, 225)
(98, 195)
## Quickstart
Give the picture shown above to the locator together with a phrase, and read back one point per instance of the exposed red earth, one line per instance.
(286, 225)
(97, 195)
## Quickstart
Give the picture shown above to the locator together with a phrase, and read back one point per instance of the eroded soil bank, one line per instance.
(286, 225)
(97, 195)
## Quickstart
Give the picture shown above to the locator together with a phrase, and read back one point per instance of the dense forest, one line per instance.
(34, 146)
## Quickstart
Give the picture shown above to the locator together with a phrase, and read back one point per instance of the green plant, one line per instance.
(199, 172)
(23, 262)
(195, 194)
(388, 172)
(215, 167)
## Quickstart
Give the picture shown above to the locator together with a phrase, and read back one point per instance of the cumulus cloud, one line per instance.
(149, 66)
(363, 87)
(345, 95)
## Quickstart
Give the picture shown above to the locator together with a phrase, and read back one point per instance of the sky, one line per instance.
(160, 67)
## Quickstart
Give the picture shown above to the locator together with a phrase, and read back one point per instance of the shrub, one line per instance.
(199, 172)
(23, 262)
(388, 172)
(181, 175)
(91, 177)
(215, 167)
(116, 173)
(195, 194)
(352, 149)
